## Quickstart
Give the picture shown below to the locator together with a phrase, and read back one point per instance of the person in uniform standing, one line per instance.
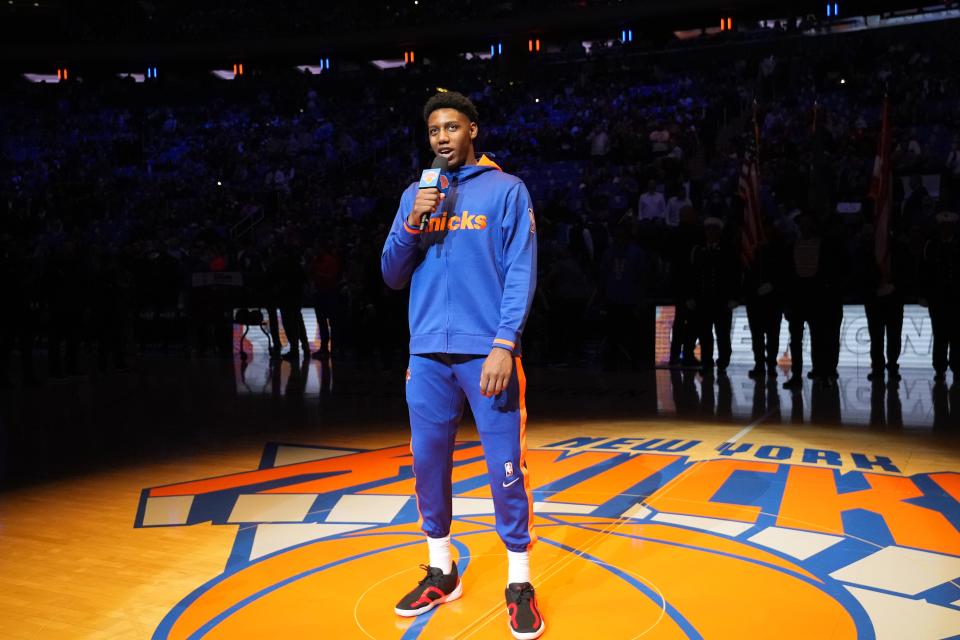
(762, 290)
(714, 272)
(941, 266)
(805, 286)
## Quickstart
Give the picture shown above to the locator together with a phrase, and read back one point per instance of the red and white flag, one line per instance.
(881, 192)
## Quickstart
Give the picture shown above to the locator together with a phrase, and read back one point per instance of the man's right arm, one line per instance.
(401, 250)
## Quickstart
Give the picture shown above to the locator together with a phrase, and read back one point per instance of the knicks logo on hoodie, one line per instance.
(466, 221)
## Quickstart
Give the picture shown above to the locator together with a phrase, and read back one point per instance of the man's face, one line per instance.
(451, 135)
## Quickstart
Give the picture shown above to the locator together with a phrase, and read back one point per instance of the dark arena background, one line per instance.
(738, 398)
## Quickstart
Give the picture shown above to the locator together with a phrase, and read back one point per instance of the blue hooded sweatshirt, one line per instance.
(473, 270)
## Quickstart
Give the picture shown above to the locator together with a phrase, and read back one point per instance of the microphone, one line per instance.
(434, 178)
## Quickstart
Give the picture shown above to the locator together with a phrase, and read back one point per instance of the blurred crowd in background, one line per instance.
(119, 200)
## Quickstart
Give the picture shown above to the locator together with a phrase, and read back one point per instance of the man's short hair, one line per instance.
(451, 100)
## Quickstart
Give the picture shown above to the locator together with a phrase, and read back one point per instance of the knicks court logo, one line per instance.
(638, 537)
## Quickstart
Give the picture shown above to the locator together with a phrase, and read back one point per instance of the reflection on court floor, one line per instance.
(915, 401)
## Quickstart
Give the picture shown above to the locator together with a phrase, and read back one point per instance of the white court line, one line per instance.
(747, 429)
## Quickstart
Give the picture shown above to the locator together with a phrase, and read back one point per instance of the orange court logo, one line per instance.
(654, 537)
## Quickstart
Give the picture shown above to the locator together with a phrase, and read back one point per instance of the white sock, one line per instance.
(440, 554)
(518, 566)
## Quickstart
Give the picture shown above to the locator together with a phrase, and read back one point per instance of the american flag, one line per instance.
(881, 192)
(751, 233)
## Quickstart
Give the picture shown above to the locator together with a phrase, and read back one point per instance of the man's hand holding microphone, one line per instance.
(425, 205)
(429, 196)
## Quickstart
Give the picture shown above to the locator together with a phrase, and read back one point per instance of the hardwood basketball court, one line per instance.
(667, 507)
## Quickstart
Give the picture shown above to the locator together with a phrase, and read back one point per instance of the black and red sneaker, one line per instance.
(435, 588)
(526, 622)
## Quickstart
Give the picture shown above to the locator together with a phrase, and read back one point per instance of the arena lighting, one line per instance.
(588, 45)
(408, 57)
(626, 35)
(496, 49)
(315, 69)
(533, 44)
(139, 78)
(388, 64)
(41, 78)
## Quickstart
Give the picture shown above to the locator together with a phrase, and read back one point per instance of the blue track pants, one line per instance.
(437, 385)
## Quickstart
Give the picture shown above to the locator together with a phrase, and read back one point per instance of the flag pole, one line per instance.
(756, 134)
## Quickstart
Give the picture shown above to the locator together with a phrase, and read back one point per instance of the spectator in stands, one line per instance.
(660, 140)
(568, 290)
(652, 205)
(678, 201)
(621, 286)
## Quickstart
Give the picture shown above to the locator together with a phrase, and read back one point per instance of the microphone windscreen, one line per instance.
(433, 177)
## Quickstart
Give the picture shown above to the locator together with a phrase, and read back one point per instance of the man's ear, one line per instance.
(474, 130)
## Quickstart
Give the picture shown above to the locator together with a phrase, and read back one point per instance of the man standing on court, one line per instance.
(470, 256)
